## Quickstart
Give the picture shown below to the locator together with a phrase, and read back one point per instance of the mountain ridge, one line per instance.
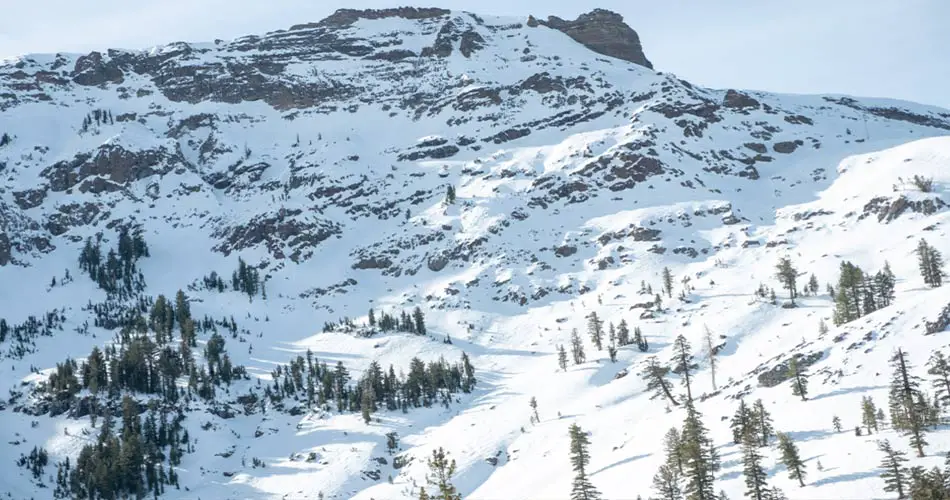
(505, 180)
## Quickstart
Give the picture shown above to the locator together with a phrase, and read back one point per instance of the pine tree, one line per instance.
(700, 460)
(907, 413)
(939, 367)
(673, 447)
(534, 409)
(655, 375)
(595, 328)
(582, 489)
(930, 263)
(667, 283)
(666, 482)
(623, 333)
(753, 469)
(791, 458)
(577, 348)
(836, 423)
(868, 414)
(788, 277)
(710, 353)
(743, 422)
(763, 422)
(813, 285)
(682, 357)
(799, 382)
(928, 484)
(612, 353)
(884, 283)
(441, 472)
(849, 294)
(562, 357)
(894, 473)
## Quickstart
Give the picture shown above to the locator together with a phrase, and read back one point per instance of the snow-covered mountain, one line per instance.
(508, 177)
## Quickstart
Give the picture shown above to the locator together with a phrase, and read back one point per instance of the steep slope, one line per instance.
(323, 156)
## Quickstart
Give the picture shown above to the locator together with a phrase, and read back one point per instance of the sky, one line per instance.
(872, 48)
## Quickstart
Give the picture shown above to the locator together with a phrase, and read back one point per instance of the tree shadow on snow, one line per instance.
(619, 463)
(843, 478)
(810, 435)
(848, 390)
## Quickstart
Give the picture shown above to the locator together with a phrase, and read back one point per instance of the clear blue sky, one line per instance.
(877, 48)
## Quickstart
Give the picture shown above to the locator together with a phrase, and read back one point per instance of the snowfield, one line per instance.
(622, 172)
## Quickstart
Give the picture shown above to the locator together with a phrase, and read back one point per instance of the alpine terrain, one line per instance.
(421, 253)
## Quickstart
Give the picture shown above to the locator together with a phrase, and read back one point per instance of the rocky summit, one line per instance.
(310, 263)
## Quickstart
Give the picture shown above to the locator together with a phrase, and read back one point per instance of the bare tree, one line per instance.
(710, 353)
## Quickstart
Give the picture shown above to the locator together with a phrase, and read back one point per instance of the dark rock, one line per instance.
(373, 263)
(565, 250)
(779, 373)
(888, 210)
(601, 31)
(346, 17)
(941, 323)
(758, 147)
(787, 147)
(5, 249)
(92, 70)
(738, 100)
(543, 83)
(436, 264)
(31, 198)
(799, 120)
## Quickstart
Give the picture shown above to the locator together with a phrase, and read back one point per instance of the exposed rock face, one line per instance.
(603, 32)
(346, 17)
(738, 100)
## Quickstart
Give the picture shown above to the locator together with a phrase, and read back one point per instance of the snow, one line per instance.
(513, 347)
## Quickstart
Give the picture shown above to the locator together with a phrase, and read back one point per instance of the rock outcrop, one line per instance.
(603, 32)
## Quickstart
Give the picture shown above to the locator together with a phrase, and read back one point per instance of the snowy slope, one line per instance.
(322, 154)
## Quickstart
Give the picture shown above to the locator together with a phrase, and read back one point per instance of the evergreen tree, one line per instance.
(788, 276)
(666, 482)
(907, 412)
(700, 460)
(595, 328)
(655, 375)
(791, 458)
(623, 333)
(799, 382)
(763, 422)
(928, 485)
(582, 488)
(612, 353)
(673, 446)
(441, 471)
(682, 358)
(868, 414)
(667, 283)
(930, 263)
(743, 422)
(577, 348)
(753, 470)
(534, 410)
(884, 283)
(836, 423)
(561, 357)
(849, 294)
(894, 473)
(812, 285)
(939, 367)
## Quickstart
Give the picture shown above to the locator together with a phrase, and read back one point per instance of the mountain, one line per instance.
(485, 182)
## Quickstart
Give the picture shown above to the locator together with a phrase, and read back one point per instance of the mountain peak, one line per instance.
(602, 31)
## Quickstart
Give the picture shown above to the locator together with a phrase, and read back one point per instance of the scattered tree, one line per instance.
(582, 488)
